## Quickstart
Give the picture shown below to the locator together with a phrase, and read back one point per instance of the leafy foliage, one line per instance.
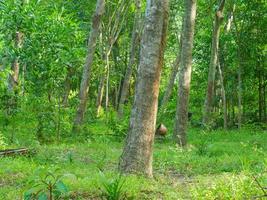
(45, 186)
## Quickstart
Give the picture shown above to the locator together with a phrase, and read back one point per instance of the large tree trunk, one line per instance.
(213, 63)
(137, 153)
(88, 65)
(185, 73)
(129, 69)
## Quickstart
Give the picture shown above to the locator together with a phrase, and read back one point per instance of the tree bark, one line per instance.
(67, 86)
(175, 67)
(185, 73)
(264, 101)
(223, 97)
(132, 60)
(213, 63)
(137, 153)
(100, 94)
(239, 94)
(107, 84)
(14, 77)
(260, 99)
(112, 32)
(239, 74)
(96, 21)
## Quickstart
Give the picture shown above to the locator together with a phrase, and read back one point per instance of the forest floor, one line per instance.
(216, 165)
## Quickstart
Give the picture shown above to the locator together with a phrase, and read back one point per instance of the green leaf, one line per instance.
(42, 196)
(61, 187)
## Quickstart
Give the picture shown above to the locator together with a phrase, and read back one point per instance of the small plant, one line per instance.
(70, 157)
(262, 188)
(2, 142)
(202, 148)
(112, 189)
(46, 186)
(118, 126)
(100, 164)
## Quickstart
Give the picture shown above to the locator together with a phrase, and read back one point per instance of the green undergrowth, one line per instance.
(215, 165)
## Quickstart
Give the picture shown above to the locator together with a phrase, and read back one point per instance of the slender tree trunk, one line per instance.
(107, 84)
(67, 85)
(14, 77)
(213, 62)
(116, 56)
(132, 60)
(233, 107)
(181, 117)
(240, 111)
(137, 153)
(101, 87)
(112, 32)
(88, 65)
(117, 97)
(260, 99)
(239, 74)
(230, 18)
(173, 75)
(24, 68)
(264, 101)
(100, 94)
(223, 97)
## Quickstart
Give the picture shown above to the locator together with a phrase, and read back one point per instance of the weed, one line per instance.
(45, 185)
(113, 189)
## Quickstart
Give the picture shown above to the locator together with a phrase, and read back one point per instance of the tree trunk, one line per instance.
(132, 60)
(100, 94)
(137, 153)
(213, 63)
(67, 85)
(264, 101)
(239, 74)
(14, 77)
(260, 93)
(173, 75)
(240, 112)
(107, 84)
(88, 65)
(233, 107)
(185, 73)
(24, 68)
(223, 97)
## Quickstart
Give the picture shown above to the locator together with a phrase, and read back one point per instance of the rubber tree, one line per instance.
(173, 75)
(213, 63)
(83, 96)
(181, 118)
(129, 69)
(111, 30)
(137, 152)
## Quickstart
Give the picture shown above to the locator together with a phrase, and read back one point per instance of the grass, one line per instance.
(216, 165)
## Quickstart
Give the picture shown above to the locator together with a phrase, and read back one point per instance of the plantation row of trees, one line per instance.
(63, 64)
